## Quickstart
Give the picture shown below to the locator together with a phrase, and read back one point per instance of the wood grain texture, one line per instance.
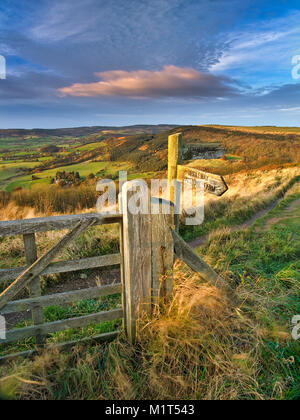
(137, 262)
(195, 262)
(174, 159)
(213, 184)
(122, 271)
(162, 249)
(45, 224)
(35, 289)
(65, 266)
(99, 338)
(52, 327)
(37, 268)
(61, 299)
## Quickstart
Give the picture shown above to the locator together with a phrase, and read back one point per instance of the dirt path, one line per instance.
(287, 213)
(195, 243)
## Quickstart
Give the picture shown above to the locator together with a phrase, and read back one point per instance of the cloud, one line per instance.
(261, 53)
(73, 36)
(29, 85)
(295, 109)
(170, 82)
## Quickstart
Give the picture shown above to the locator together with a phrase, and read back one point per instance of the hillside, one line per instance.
(204, 344)
(83, 131)
(244, 149)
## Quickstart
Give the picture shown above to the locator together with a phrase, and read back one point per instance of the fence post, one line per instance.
(174, 159)
(137, 257)
(35, 285)
(121, 235)
(162, 219)
(148, 253)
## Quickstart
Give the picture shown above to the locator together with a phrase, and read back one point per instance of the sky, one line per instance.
(121, 62)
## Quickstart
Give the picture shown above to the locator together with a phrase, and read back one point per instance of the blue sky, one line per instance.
(121, 62)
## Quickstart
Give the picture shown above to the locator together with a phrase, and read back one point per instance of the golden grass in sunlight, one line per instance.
(195, 347)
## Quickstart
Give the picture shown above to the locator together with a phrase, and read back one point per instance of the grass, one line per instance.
(89, 146)
(12, 169)
(55, 313)
(84, 168)
(205, 343)
(266, 267)
(254, 192)
(262, 129)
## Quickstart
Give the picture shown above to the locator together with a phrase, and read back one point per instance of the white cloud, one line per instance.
(264, 47)
(169, 82)
(295, 109)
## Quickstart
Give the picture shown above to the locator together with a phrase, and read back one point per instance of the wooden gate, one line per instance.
(30, 277)
(148, 246)
(146, 261)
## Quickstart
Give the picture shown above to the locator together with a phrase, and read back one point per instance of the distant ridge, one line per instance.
(83, 131)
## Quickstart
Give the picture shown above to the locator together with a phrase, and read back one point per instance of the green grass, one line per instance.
(233, 157)
(265, 262)
(12, 169)
(16, 144)
(204, 345)
(55, 313)
(87, 147)
(233, 211)
(84, 169)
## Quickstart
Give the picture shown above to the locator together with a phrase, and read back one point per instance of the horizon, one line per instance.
(75, 64)
(150, 125)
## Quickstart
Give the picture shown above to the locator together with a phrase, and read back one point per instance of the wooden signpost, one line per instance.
(213, 184)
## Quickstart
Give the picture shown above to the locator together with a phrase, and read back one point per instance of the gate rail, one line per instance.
(30, 276)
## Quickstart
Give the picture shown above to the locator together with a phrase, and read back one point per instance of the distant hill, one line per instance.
(246, 148)
(84, 131)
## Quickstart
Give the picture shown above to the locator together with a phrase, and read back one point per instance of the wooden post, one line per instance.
(148, 255)
(162, 219)
(122, 273)
(174, 159)
(35, 285)
(137, 261)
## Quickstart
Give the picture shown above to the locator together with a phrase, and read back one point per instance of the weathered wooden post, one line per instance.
(174, 159)
(136, 255)
(148, 252)
(35, 285)
(162, 219)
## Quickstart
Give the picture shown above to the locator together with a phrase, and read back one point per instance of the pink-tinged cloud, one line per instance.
(171, 81)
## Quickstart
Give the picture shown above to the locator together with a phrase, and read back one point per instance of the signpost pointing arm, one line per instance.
(213, 184)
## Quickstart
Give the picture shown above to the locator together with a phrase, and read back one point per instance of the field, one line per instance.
(207, 343)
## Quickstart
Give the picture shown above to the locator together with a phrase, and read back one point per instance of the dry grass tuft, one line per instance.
(198, 346)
